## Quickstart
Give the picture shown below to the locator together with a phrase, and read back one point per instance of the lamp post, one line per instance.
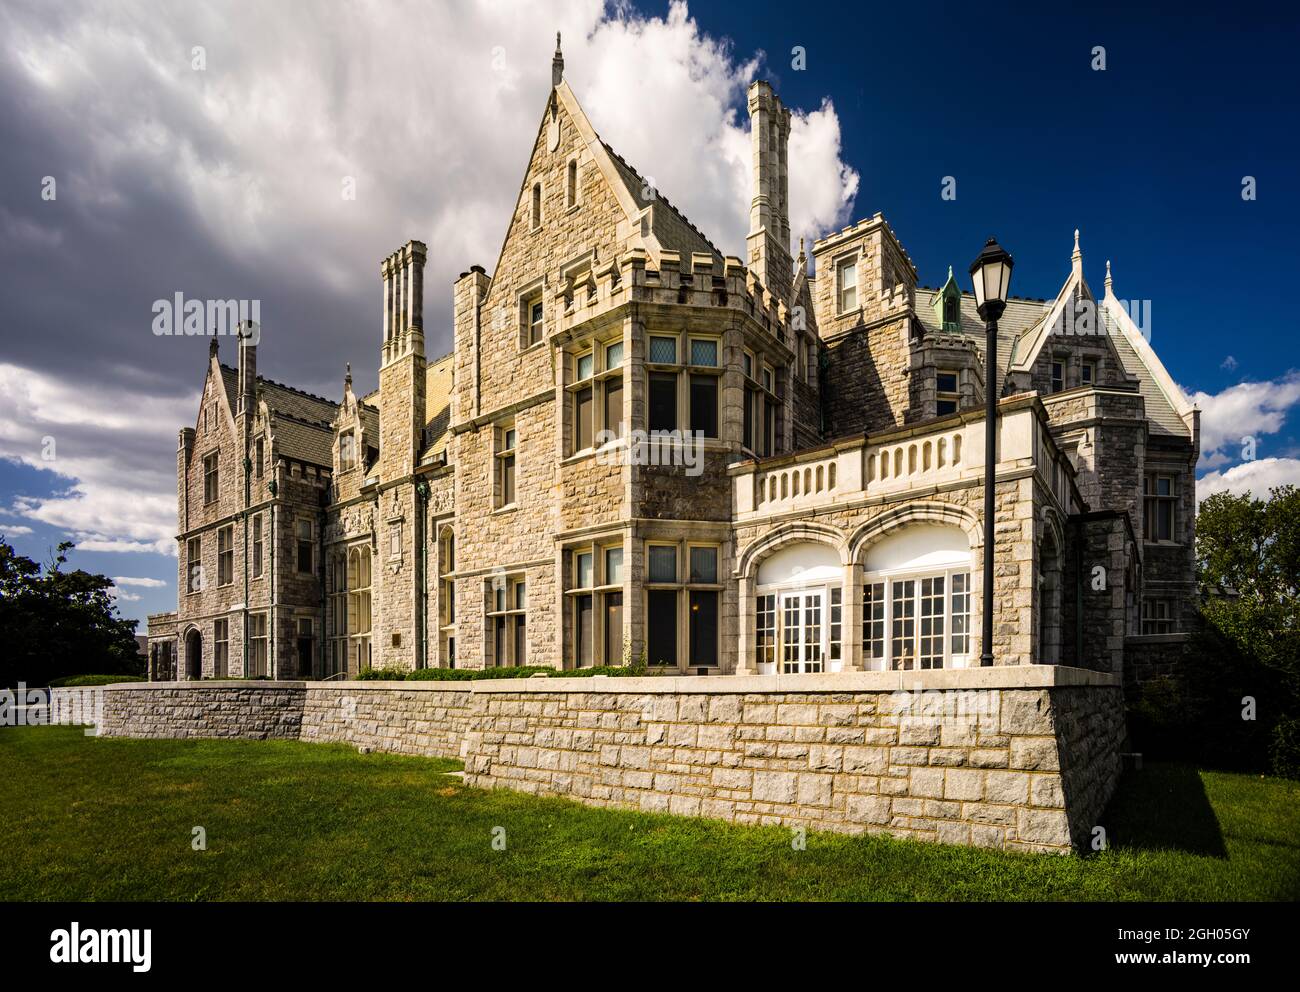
(991, 273)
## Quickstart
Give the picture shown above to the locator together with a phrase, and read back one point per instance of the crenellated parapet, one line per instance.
(699, 280)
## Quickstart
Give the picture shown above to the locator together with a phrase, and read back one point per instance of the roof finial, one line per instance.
(348, 377)
(1076, 259)
(557, 63)
(1108, 275)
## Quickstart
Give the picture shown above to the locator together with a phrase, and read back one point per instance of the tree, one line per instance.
(58, 623)
(1248, 644)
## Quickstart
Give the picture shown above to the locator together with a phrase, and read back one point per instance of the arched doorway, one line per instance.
(193, 655)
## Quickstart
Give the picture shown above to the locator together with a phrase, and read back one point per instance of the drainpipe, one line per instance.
(275, 589)
(248, 470)
(421, 571)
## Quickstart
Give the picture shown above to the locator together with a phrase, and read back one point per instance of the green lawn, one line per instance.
(89, 818)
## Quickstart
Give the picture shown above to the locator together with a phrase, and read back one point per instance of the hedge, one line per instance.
(515, 672)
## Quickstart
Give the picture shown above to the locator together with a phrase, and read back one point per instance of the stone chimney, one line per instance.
(248, 335)
(769, 212)
(403, 277)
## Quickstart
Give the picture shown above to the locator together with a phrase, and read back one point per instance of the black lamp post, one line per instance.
(991, 273)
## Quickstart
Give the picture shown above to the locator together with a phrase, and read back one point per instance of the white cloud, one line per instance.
(257, 145)
(431, 108)
(15, 530)
(1246, 410)
(116, 458)
(127, 580)
(1255, 478)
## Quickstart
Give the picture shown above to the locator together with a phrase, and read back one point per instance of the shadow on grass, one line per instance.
(1163, 807)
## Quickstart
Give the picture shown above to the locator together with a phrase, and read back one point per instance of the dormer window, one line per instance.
(951, 317)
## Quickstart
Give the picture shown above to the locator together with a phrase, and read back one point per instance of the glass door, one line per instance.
(802, 632)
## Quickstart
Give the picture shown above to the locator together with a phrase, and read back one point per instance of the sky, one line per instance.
(149, 149)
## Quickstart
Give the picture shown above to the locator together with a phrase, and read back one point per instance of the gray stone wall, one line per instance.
(1012, 758)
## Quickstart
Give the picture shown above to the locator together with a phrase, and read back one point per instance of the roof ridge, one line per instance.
(658, 194)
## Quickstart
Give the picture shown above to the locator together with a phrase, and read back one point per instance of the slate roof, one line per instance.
(302, 420)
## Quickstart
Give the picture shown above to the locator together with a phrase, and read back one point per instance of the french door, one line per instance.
(802, 632)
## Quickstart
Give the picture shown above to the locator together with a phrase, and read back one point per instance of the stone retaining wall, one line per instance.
(1015, 757)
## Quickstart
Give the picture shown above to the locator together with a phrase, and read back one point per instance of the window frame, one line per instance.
(595, 599)
(685, 588)
(506, 625)
(592, 393)
(226, 556)
(846, 263)
(888, 631)
(211, 478)
(258, 545)
(1058, 361)
(505, 463)
(1153, 502)
(299, 542)
(942, 396)
(195, 580)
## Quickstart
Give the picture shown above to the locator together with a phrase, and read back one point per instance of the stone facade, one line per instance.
(816, 455)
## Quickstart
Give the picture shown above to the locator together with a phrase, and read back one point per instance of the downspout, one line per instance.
(275, 589)
(421, 571)
(248, 469)
(318, 642)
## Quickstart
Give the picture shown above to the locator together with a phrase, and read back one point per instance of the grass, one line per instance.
(102, 819)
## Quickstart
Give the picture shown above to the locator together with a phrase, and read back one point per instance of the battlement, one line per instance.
(696, 281)
(847, 234)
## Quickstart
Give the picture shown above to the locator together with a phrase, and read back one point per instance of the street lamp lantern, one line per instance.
(991, 273)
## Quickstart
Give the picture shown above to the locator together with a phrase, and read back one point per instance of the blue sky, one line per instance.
(223, 182)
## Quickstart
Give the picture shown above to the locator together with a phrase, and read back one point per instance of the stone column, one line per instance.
(745, 619)
(851, 620)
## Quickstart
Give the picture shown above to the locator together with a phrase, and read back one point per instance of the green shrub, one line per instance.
(73, 681)
(474, 674)
(1284, 749)
(382, 675)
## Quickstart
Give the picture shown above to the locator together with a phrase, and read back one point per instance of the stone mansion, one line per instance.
(640, 449)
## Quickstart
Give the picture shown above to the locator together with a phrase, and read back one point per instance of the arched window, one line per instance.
(799, 607)
(358, 578)
(916, 601)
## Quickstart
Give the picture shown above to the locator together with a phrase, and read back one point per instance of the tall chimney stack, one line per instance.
(769, 211)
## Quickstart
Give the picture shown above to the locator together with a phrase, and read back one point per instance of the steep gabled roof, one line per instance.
(1168, 408)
